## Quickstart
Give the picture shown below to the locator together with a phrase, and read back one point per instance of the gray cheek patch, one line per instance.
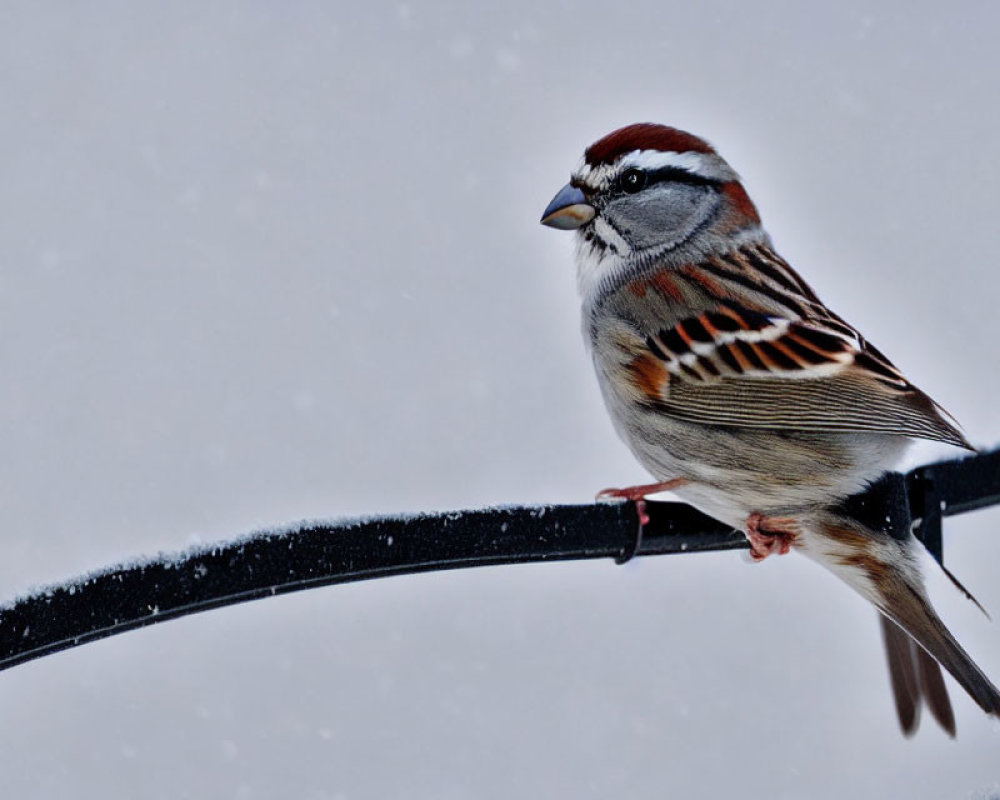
(662, 216)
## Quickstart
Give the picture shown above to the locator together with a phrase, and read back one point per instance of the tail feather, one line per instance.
(907, 607)
(935, 692)
(915, 677)
(884, 570)
(902, 674)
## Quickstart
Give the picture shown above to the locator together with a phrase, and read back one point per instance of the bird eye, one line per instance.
(633, 180)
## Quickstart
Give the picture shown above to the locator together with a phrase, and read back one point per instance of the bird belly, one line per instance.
(734, 471)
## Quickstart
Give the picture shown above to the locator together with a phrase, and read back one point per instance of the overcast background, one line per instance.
(262, 262)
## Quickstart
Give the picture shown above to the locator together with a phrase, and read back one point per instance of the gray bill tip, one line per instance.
(568, 210)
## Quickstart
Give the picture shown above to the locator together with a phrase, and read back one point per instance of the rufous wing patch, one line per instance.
(649, 376)
(733, 342)
(662, 282)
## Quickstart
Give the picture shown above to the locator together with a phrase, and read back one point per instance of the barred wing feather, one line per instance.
(744, 368)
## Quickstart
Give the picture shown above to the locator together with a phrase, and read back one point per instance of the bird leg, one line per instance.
(637, 494)
(768, 535)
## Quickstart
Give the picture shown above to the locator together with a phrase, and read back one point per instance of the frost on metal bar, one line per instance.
(123, 597)
(129, 596)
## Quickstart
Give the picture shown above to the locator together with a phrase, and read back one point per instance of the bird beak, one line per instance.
(568, 210)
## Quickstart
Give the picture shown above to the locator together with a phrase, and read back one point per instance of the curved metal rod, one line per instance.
(121, 598)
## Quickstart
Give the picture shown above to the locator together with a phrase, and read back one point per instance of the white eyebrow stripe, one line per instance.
(706, 165)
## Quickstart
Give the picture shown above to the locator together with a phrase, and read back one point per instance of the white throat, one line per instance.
(596, 264)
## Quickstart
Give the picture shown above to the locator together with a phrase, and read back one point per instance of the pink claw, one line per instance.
(637, 494)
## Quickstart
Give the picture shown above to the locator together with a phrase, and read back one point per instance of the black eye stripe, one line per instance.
(667, 175)
(678, 175)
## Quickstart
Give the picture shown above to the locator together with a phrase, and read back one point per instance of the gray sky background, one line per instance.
(262, 262)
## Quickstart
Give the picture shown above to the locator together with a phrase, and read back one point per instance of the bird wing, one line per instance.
(745, 368)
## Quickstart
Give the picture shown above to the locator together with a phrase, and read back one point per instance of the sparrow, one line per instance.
(737, 388)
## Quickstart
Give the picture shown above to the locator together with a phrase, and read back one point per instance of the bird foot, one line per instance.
(770, 535)
(640, 492)
(637, 494)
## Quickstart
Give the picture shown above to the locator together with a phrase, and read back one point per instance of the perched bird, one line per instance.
(734, 385)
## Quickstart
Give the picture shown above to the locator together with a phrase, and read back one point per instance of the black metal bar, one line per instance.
(925, 508)
(951, 487)
(966, 484)
(118, 599)
(121, 599)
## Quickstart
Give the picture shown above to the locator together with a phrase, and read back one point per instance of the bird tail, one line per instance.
(886, 572)
(915, 677)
